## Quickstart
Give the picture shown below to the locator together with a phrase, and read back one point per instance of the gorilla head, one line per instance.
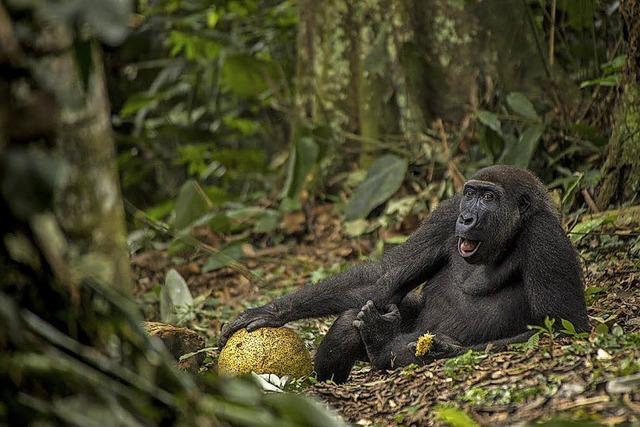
(495, 204)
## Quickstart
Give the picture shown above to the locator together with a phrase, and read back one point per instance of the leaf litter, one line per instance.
(560, 377)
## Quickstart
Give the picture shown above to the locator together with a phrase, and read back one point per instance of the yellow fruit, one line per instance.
(265, 351)
(424, 344)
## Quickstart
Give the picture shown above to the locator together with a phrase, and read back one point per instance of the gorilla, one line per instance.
(481, 268)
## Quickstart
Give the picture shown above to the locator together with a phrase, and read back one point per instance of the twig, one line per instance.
(552, 33)
(452, 168)
(589, 200)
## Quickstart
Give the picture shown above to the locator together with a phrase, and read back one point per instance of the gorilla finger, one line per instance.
(391, 317)
(368, 309)
(360, 315)
(257, 324)
(412, 346)
(227, 330)
(358, 324)
(369, 304)
(224, 334)
(392, 309)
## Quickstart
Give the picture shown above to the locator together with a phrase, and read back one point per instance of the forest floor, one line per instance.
(574, 378)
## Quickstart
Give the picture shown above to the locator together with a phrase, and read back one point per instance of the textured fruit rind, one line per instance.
(277, 351)
(424, 344)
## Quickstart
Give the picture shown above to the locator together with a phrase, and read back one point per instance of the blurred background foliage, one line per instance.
(262, 106)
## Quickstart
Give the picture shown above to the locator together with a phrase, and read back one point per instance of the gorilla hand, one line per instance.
(252, 319)
(441, 347)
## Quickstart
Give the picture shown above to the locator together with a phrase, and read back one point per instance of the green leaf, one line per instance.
(137, 102)
(175, 296)
(212, 18)
(454, 417)
(587, 226)
(191, 204)
(220, 222)
(490, 120)
(591, 293)
(224, 257)
(161, 210)
(384, 177)
(267, 222)
(245, 126)
(522, 106)
(568, 326)
(245, 75)
(549, 322)
(303, 157)
(520, 153)
(610, 80)
(602, 329)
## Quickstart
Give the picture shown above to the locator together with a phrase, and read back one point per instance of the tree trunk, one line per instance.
(67, 106)
(380, 72)
(621, 169)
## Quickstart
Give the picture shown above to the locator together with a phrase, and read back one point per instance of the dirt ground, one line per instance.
(575, 378)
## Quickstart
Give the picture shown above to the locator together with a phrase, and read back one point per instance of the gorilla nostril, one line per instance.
(466, 220)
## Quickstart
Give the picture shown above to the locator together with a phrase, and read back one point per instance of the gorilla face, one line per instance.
(487, 221)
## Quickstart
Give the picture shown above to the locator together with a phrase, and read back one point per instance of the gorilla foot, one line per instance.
(377, 329)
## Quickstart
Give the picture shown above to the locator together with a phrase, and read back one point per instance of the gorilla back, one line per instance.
(492, 260)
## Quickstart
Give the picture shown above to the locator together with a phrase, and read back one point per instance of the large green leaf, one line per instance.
(522, 106)
(303, 157)
(521, 152)
(384, 177)
(191, 204)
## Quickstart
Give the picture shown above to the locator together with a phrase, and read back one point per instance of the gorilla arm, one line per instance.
(552, 274)
(397, 273)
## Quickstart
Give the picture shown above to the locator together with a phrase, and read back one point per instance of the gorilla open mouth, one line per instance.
(467, 247)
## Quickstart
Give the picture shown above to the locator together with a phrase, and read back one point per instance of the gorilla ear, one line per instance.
(523, 203)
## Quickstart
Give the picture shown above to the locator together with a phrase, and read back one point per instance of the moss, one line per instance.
(621, 171)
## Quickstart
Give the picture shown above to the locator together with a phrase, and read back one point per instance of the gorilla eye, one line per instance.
(468, 193)
(488, 196)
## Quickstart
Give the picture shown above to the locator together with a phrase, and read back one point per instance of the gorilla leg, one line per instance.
(340, 349)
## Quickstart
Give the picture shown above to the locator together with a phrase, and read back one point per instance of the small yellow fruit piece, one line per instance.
(278, 351)
(423, 345)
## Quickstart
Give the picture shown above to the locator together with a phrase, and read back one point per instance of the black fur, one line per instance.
(523, 270)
